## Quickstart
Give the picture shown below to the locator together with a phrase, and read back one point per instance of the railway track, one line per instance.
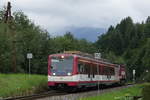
(86, 93)
(35, 96)
(57, 93)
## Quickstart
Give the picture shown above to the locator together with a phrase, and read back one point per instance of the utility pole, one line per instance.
(7, 14)
(8, 19)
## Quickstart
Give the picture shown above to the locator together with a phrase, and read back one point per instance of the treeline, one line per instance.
(128, 43)
(21, 36)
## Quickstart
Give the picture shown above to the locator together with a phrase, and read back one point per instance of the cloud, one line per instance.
(56, 15)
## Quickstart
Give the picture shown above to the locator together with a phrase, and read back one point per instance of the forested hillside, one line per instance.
(128, 43)
(22, 36)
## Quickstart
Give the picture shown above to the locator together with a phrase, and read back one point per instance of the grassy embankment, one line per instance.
(123, 94)
(21, 84)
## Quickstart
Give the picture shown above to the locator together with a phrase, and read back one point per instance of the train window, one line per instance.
(79, 65)
(87, 70)
(95, 69)
(81, 68)
(112, 71)
(105, 70)
(108, 71)
(99, 70)
(61, 66)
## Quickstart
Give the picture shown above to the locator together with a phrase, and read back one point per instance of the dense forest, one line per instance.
(126, 43)
(22, 36)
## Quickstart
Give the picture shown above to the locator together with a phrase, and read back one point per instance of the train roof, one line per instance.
(85, 56)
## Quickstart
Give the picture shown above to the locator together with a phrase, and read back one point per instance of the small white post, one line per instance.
(134, 75)
(29, 56)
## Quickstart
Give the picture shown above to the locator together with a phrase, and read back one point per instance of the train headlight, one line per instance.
(54, 73)
(62, 57)
(69, 74)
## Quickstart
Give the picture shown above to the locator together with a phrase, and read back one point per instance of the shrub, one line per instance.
(146, 92)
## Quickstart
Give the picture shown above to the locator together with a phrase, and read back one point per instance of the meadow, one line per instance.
(123, 94)
(21, 84)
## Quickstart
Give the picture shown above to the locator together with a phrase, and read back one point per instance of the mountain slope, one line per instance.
(88, 33)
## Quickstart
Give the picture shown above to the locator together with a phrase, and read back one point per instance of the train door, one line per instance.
(92, 75)
(108, 73)
(90, 72)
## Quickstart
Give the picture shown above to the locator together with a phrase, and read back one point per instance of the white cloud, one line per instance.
(56, 15)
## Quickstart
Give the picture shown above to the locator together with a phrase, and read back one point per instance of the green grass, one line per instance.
(118, 94)
(21, 84)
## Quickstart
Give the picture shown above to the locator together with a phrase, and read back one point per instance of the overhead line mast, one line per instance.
(7, 14)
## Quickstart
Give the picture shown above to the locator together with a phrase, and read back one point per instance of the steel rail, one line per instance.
(35, 96)
(57, 93)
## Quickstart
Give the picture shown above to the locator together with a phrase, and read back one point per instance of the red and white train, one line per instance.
(78, 70)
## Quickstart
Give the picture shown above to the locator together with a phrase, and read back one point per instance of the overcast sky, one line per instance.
(56, 15)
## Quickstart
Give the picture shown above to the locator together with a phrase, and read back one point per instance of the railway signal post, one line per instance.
(134, 75)
(29, 56)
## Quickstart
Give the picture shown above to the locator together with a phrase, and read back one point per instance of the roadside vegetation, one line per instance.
(146, 91)
(123, 94)
(21, 84)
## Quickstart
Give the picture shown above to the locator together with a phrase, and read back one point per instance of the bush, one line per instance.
(146, 92)
(147, 77)
(144, 78)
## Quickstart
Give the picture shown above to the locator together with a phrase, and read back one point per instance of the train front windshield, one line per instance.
(61, 65)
